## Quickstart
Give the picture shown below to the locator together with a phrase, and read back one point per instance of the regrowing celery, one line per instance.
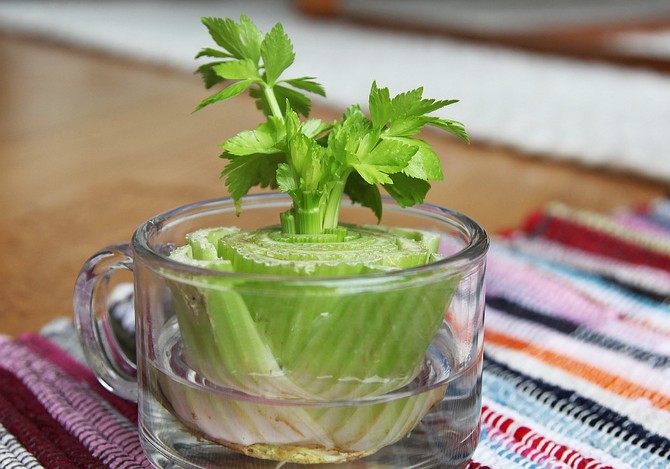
(313, 161)
(315, 343)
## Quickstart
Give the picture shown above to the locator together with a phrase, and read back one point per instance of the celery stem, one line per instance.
(272, 101)
(308, 221)
(331, 214)
(288, 222)
(308, 214)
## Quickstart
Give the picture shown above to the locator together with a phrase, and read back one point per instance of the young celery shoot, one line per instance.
(315, 162)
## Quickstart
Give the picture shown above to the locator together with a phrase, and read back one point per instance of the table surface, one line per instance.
(91, 146)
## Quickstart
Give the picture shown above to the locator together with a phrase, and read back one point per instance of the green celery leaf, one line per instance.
(307, 84)
(424, 164)
(287, 179)
(209, 52)
(406, 190)
(430, 105)
(226, 93)
(251, 38)
(267, 170)
(265, 139)
(229, 35)
(362, 143)
(452, 126)
(372, 174)
(307, 160)
(244, 172)
(242, 40)
(345, 138)
(407, 103)
(314, 127)
(240, 175)
(225, 33)
(243, 69)
(360, 192)
(291, 122)
(298, 101)
(209, 77)
(412, 103)
(405, 113)
(277, 53)
(353, 113)
(390, 155)
(406, 126)
(381, 110)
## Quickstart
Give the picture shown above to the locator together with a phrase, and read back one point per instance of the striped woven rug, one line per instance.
(576, 367)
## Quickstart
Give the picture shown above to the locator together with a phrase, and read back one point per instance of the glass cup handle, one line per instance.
(103, 353)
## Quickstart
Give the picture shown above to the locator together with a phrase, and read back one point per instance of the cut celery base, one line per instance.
(307, 342)
(299, 454)
(300, 434)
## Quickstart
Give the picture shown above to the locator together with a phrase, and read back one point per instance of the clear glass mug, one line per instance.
(260, 371)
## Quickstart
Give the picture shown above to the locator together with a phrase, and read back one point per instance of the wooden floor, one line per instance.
(90, 146)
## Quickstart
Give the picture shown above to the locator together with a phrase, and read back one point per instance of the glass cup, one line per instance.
(230, 370)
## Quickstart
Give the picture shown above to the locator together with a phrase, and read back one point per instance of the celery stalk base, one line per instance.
(303, 432)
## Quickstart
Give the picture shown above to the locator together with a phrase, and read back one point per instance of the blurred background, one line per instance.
(564, 100)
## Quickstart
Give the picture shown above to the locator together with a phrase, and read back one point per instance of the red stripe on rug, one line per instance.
(54, 354)
(535, 447)
(476, 465)
(591, 240)
(30, 423)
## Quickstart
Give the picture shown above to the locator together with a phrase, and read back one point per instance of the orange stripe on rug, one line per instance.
(604, 379)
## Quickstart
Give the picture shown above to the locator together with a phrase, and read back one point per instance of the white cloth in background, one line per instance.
(597, 114)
